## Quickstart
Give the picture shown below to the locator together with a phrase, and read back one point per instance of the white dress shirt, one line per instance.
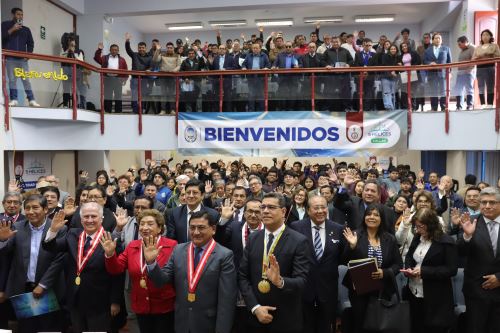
(416, 284)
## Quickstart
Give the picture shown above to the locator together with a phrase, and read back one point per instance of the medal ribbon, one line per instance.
(141, 257)
(193, 279)
(265, 256)
(82, 261)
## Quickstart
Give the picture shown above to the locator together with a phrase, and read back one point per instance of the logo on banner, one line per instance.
(354, 133)
(381, 133)
(190, 134)
(36, 168)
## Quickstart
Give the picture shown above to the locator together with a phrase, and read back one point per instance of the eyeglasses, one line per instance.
(490, 202)
(288, 46)
(200, 228)
(270, 207)
(94, 197)
(12, 202)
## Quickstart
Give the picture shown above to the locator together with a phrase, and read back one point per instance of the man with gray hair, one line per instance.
(93, 296)
(480, 245)
(12, 203)
(174, 200)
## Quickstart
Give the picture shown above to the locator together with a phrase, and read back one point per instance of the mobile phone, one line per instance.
(19, 21)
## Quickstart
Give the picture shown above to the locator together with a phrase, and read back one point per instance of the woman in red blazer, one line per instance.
(154, 306)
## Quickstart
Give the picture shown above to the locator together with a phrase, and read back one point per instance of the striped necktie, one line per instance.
(318, 247)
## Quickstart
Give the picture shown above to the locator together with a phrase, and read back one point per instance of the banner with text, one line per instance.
(303, 133)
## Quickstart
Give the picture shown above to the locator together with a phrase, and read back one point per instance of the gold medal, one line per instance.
(264, 286)
(142, 283)
(191, 297)
(78, 280)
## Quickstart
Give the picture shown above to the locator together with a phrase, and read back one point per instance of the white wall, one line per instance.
(373, 31)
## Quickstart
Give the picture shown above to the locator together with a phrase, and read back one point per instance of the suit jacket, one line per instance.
(228, 63)
(336, 215)
(293, 255)
(323, 274)
(177, 223)
(439, 265)
(391, 259)
(293, 215)
(213, 309)
(48, 265)
(354, 208)
(310, 62)
(280, 61)
(98, 289)
(480, 262)
(151, 300)
(231, 237)
(444, 57)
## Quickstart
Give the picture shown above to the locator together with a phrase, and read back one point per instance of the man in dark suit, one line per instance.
(366, 58)
(178, 218)
(310, 60)
(334, 214)
(93, 296)
(12, 203)
(223, 61)
(355, 207)
(32, 269)
(191, 86)
(274, 296)
(327, 245)
(435, 55)
(204, 305)
(480, 245)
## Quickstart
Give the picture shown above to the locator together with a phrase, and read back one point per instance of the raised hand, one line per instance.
(128, 36)
(455, 216)
(100, 46)
(468, 226)
(351, 237)
(208, 186)
(420, 184)
(273, 272)
(121, 218)
(406, 219)
(108, 244)
(348, 179)
(5, 231)
(227, 209)
(110, 190)
(13, 186)
(58, 221)
(261, 29)
(150, 249)
(69, 206)
(421, 174)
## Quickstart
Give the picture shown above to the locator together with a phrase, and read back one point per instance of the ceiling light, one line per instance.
(374, 18)
(184, 26)
(274, 22)
(331, 19)
(231, 23)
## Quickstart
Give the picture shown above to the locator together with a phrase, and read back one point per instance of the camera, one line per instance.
(19, 21)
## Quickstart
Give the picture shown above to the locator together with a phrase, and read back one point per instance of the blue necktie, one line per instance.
(197, 256)
(87, 245)
(318, 247)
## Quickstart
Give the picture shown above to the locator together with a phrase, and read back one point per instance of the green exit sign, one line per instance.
(42, 32)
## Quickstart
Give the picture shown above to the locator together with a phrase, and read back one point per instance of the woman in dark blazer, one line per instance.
(298, 208)
(431, 261)
(372, 240)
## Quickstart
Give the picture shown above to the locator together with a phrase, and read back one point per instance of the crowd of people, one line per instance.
(237, 247)
(333, 92)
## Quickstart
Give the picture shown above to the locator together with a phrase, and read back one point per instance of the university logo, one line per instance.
(190, 134)
(354, 133)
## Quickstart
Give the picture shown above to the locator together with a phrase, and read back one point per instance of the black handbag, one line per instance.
(388, 315)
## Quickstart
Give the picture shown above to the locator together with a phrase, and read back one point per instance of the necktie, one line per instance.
(318, 247)
(86, 246)
(236, 215)
(270, 239)
(493, 236)
(136, 231)
(197, 256)
(188, 236)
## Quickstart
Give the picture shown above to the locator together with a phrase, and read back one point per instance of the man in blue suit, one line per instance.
(287, 83)
(434, 55)
(223, 61)
(256, 60)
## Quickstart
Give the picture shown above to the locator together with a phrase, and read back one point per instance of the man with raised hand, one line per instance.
(93, 296)
(205, 304)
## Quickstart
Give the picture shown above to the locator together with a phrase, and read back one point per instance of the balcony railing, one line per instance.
(356, 89)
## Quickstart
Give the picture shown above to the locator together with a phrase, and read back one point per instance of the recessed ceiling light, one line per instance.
(230, 23)
(373, 18)
(274, 22)
(184, 26)
(331, 19)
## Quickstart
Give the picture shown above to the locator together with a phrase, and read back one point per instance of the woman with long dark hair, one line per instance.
(486, 73)
(372, 240)
(298, 208)
(431, 262)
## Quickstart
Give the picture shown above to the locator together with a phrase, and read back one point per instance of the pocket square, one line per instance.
(335, 241)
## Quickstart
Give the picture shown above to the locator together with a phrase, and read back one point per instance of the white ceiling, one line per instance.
(405, 14)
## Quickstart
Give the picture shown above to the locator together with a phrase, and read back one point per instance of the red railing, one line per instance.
(314, 72)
